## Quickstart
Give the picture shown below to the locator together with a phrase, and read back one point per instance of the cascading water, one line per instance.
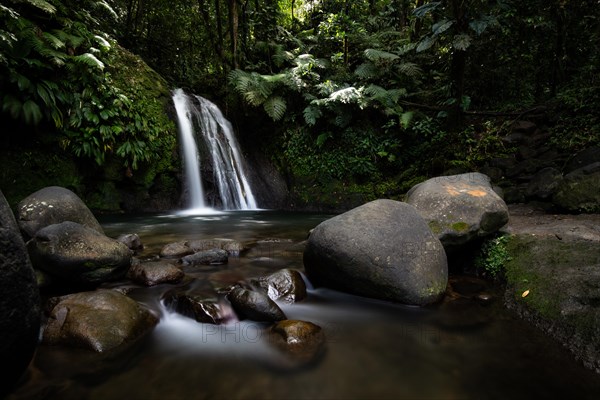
(226, 159)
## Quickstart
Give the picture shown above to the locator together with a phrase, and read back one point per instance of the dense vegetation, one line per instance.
(361, 97)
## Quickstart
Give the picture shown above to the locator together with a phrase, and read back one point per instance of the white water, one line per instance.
(189, 151)
(226, 159)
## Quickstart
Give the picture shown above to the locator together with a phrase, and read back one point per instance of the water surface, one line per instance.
(375, 349)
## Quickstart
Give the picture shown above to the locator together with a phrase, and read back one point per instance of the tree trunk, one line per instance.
(233, 31)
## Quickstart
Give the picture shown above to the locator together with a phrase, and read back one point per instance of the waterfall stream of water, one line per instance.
(203, 119)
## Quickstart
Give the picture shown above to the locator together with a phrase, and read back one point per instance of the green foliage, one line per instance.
(56, 74)
(493, 256)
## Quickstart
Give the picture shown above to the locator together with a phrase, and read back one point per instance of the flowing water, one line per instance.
(202, 119)
(374, 349)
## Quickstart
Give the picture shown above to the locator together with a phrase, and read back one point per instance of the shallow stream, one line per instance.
(461, 348)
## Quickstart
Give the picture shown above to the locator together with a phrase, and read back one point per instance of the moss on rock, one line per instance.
(556, 283)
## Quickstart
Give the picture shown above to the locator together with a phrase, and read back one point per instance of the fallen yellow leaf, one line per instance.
(525, 293)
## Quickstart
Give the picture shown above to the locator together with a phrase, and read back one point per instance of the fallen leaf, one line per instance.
(525, 293)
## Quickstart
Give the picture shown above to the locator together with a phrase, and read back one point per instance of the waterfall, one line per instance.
(223, 150)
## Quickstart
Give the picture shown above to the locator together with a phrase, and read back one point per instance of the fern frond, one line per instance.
(347, 95)
(42, 5)
(90, 60)
(366, 70)
(53, 41)
(380, 55)
(275, 107)
(410, 69)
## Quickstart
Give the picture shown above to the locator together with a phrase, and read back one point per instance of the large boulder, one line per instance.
(382, 249)
(53, 205)
(78, 254)
(459, 208)
(100, 320)
(19, 302)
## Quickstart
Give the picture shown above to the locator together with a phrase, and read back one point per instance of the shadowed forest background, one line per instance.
(347, 100)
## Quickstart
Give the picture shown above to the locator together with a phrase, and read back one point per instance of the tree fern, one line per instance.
(366, 70)
(275, 107)
(409, 69)
(380, 55)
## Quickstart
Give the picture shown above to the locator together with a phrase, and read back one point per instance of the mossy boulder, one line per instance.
(459, 208)
(579, 191)
(553, 280)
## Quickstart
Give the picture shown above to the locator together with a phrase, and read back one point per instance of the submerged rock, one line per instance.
(78, 254)
(300, 342)
(100, 320)
(19, 302)
(53, 205)
(459, 208)
(382, 249)
(176, 250)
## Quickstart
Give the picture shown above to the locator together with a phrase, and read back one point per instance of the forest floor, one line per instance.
(529, 219)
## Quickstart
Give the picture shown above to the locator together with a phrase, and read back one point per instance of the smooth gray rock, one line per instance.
(206, 257)
(155, 272)
(100, 320)
(53, 205)
(382, 249)
(459, 208)
(78, 254)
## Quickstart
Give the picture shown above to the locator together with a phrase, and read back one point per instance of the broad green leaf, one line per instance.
(31, 113)
(441, 27)
(426, 43)
(426, 8)
(461, 42)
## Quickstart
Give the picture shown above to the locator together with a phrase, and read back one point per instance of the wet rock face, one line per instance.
(203, 306)
(207, 257)
(382, 249)
(285, 285)
(155, 272)
(19, 302)
(132, 241)
(254, 306)
(78, 254)
(53, 205)
(184, 248)
(459, 208)
(100, 320)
